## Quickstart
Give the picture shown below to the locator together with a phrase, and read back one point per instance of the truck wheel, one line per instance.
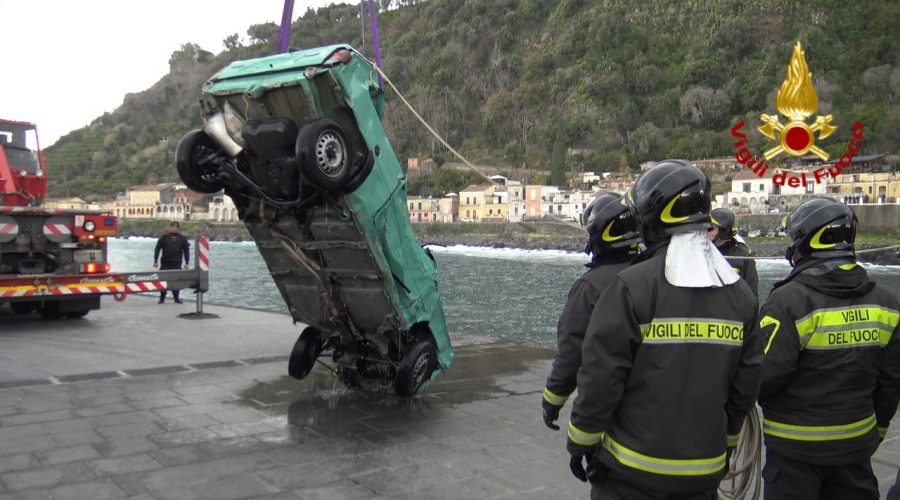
(23, 307)
(78, 314)
(194, 162)
(50, 310)
(305, 353)
(415, 368)
(323, 154)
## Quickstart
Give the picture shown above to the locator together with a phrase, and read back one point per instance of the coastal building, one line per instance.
(222, 209)
(449, 208)
(142, 202)
(496, 205)
(471, 200)
(423, 209)
(537, 199)
(866, 187)
(770, 193)
(69, 204)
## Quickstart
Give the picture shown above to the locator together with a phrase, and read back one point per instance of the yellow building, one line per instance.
(496, 205)
(471, 199)
(144, 202)
(69, 204)
(879, 187)
(423, 209)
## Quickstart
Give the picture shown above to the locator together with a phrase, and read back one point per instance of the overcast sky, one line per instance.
(65, 62)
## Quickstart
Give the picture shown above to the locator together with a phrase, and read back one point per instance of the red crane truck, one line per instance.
(52, 261)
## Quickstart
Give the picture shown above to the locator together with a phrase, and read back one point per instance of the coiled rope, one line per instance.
(744, 478)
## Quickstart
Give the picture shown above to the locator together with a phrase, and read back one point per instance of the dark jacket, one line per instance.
(173, 247)
(744, 267)
(574, 321)
(831, 377)
(668, 376)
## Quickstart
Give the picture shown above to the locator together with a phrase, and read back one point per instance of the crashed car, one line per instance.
(296, 140)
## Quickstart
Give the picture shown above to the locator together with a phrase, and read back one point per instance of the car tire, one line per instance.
(323, 154)
(415, 368)
(305, 353)
(23, 307)
(192, 161)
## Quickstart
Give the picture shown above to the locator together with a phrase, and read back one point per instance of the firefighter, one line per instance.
(831, 376)
(612, 242)
(670, 366)
(724, 235)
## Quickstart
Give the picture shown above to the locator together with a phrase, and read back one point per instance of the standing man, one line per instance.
(724, 235)
(173, 246)
(670, 367)
(612, 242)
(831, 376)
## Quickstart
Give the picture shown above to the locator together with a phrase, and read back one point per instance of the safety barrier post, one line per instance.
(201, 264)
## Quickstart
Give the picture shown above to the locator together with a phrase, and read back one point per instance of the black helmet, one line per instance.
(672, 197)
(724, 220)
(821, 228)
(609, 225)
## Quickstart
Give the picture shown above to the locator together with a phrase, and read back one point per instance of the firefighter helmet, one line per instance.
(724, 220)
(672, 197)
(609, 224)
(821, 228)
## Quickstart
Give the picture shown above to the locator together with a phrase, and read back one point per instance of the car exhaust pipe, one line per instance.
(223, 127)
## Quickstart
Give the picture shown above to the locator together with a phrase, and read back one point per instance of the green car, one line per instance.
(296, 140)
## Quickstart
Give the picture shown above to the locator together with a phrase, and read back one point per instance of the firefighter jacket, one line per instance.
(574, 321)
(831, 376)
(668, 375)
(746, 268)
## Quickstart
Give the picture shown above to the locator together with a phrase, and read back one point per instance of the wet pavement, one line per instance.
(182, 422)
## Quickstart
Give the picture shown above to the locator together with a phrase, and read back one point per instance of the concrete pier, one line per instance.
(134, 402)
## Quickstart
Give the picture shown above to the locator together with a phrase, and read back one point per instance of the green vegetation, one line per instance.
(604, 84)
(445, 180)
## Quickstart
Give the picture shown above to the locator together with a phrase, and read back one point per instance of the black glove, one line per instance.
(551, 413)
(576, 465)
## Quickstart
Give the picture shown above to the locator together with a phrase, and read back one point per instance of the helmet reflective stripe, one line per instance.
(819, 432)
(666, 215)
(815, 243)
(714, 221)
(608, 237)
(666, 466)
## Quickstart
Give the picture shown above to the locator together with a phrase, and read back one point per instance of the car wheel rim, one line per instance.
(331, 154)
(206, 170)
(420, 368)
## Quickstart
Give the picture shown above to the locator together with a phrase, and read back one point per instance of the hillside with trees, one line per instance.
(574, 84)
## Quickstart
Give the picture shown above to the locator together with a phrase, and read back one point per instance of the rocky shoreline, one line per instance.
(531, 236)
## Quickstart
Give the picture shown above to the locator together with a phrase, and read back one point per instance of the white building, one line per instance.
(776, 190)
(222, 209)
(569, 205)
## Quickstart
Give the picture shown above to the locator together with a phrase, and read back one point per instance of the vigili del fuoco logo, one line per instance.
(796, 101)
